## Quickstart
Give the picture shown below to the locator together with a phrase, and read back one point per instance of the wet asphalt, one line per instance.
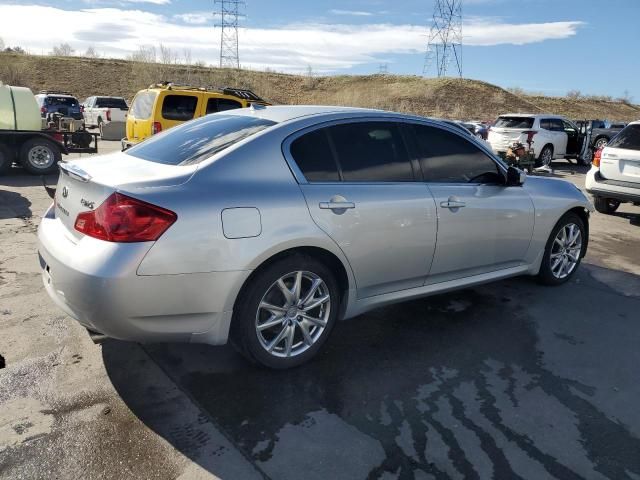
(508, 380)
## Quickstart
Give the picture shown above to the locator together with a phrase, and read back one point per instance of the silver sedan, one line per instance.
(266, 225)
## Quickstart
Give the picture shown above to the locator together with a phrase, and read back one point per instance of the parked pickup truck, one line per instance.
(601, 131)
(99, 110)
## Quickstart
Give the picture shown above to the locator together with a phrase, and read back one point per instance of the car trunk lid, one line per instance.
(620, 164)
(84, 184)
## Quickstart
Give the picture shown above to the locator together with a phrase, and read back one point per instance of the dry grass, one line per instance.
(438, 97)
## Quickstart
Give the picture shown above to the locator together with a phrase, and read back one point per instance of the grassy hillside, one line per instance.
(439, 97)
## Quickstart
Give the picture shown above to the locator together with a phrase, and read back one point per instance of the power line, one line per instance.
(445, 38)
(229, 15)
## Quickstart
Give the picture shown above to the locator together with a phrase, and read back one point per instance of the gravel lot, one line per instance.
(505, 380)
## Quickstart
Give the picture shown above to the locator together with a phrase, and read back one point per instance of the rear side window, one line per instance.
(449, 158)
(312, 153)
(143, 105)
(628, 138)
(514, 122)
(110, 102)
(196, 141)
(371, 152)
(179, 107)
(221, 104)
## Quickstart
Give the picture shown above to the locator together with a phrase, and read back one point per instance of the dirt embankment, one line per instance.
(438, 97)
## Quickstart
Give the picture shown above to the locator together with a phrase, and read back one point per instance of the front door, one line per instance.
(361, 190)
(483, 225)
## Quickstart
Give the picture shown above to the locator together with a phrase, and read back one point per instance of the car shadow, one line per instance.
(14, 205)
(461, 384)
(16, 176)
(634, 218)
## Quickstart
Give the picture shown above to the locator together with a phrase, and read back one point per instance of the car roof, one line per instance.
(284, 113)
(537, 115)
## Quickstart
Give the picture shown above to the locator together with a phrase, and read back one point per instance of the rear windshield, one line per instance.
(111, 102)
(142, 105)
(514, 122)
(69, 101)
(628, 138)
(195, 141)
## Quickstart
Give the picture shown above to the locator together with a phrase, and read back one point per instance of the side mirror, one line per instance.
(515, 177)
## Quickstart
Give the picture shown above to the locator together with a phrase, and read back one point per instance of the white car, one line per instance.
(614, 177)
(553, 136)
(99, 110)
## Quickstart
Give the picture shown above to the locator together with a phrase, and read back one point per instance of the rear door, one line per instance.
(361, 190)
(560, 137)
(483, 225)
(621, 157)
(217, 104)
(179, 107)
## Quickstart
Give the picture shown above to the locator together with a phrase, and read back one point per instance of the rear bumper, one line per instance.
(598, 186)
(95, 283)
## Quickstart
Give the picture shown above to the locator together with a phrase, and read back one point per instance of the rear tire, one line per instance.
(40, 156)
(562, 254)
(6, 159)
(292, 339)
(605, 205)
(600, 143)
(546, 155)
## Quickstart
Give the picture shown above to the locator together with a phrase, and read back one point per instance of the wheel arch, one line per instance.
(600, 137)
(334, 263)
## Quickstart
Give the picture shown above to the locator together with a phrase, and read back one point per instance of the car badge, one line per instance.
(65, 192)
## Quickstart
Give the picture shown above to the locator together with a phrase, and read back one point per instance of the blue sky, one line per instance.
(548, 46)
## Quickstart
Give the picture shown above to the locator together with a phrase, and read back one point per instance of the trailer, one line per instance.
(24, 141)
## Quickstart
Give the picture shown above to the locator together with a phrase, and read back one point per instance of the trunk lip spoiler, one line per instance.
(74, 171)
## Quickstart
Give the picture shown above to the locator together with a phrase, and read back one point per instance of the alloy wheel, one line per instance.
(546, 156)
(565, 250)
(293, 314)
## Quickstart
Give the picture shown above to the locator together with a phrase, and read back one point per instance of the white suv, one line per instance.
(614, 177)
(553, 136)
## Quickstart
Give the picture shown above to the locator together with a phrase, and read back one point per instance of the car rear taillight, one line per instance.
(124, 219)
(81, 108)
(156, 127)
(43, 109)
(596, 158)
(530, 134)
(108, 115)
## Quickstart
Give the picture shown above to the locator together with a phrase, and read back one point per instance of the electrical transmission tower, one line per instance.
(229, 14)
(384, 69)
(445, 38)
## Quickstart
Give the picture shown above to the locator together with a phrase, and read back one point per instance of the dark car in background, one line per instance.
(59, 102)
(601, 131)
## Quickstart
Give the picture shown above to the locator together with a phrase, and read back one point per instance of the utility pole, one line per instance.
(384, 69)
(445, 39)
(228, 14)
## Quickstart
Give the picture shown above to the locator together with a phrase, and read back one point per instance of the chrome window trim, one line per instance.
(300, 178)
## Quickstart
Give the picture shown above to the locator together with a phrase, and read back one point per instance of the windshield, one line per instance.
(628, 138)
(514, 122)
(197, 140)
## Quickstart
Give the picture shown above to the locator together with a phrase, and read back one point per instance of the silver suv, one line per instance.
(266, 225)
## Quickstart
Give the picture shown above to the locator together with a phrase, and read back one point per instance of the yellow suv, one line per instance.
(165, 105)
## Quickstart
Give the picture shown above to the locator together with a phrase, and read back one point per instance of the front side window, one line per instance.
(628, 138)
(371, 152)
(196, 141)
(448, 158)
(143, 105)
(312, 153)
(179, 107)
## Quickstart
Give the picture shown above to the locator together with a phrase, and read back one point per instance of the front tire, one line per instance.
(600, 143)
(286, 312)
(564, 250)
(605, 205)
(40, 156)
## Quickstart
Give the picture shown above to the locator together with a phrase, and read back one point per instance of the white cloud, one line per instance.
(118, 32)
(355, 13)
(155, 2)
(195, 18)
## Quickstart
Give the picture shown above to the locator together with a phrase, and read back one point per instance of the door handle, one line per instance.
(336, 205)
(452, 204)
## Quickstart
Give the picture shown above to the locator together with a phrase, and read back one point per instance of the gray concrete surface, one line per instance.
(508, 380)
